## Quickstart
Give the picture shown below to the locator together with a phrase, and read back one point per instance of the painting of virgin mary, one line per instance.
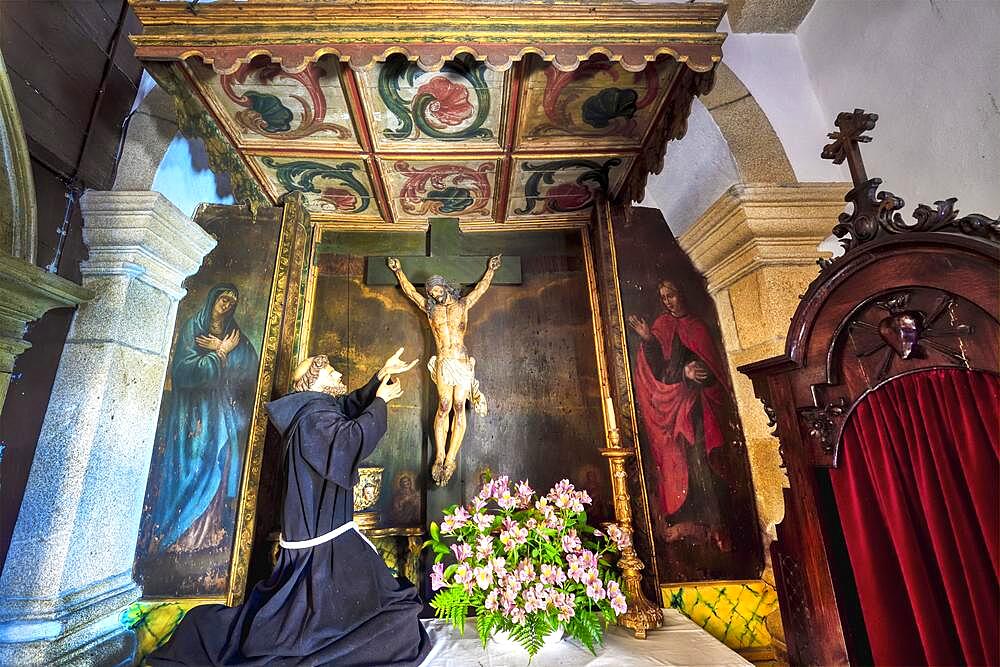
(212, 377)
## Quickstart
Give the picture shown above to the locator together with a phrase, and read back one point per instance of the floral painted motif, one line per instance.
(265, 114)
(452, 105)
(566, 196)
(608, 112)
(341, 199)
(449, 102)
(601, 109)
(331, 188)
(442, 189)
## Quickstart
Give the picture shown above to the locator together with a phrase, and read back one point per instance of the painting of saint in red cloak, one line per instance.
(683, 389)
(697, 491)
(698, 514)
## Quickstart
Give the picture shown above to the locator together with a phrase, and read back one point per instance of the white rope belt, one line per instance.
(325, 537)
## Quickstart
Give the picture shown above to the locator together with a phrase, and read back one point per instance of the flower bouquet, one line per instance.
(526, 566)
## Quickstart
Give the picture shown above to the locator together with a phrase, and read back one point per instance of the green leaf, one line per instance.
(486, 622)
(435, 531)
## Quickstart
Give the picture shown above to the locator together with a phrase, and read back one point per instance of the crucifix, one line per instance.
(447, 310)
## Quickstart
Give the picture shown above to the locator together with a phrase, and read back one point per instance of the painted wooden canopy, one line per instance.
(387, 112)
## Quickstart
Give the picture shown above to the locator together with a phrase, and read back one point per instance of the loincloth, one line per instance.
(455, 372)
(458, 373)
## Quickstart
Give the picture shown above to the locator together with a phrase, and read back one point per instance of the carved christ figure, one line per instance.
(452, 369)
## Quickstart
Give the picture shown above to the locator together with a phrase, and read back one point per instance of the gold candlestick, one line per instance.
(641, 615)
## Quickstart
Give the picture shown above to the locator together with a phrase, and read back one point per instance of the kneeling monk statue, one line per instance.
(330, 600)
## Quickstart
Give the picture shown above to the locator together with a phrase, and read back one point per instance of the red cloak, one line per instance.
(667, 409)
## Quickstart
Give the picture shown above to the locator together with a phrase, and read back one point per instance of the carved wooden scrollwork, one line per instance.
(772, 423)
(823, 423)
(874, 213)
(772, 417)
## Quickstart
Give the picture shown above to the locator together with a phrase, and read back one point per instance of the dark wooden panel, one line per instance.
(111, 8)
(93, 21)
(61, 39)
(124, 52)
(98, 160)
(50, 194)
(72, 96)
(46, 127)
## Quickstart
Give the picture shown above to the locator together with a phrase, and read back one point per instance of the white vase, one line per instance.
(503, 641)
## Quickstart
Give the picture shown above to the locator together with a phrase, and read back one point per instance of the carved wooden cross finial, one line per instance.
(852, 126)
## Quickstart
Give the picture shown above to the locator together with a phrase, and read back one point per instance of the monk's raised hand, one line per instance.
(394, 365)
(389, 390)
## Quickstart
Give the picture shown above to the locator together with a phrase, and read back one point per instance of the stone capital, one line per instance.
(755, 225)
(142, 235)
(26, 293)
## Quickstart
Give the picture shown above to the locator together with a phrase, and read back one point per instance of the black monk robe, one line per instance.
(332, 604)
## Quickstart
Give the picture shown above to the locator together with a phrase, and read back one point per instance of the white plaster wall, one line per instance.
(184, 177)
(696, 171)
(931, 71)
(772, 69)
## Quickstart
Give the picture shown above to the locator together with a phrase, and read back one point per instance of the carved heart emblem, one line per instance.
(901, 331)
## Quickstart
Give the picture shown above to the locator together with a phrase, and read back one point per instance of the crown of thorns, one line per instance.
(318, 363)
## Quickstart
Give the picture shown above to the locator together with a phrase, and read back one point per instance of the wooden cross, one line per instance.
(445, 247)
(846, 142)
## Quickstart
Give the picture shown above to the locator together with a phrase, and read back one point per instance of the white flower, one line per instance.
(595, 590)
(484, 577)
(516, 615)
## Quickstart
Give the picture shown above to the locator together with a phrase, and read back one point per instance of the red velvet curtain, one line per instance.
(916, 491)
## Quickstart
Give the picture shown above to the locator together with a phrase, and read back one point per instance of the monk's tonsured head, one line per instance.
(672, 299)
(316, 374)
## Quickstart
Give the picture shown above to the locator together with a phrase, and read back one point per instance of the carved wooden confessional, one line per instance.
(903, 299)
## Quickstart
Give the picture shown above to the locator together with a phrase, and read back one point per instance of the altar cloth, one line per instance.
(678, 642)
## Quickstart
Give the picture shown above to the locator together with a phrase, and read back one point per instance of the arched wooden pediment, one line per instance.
(904, 304)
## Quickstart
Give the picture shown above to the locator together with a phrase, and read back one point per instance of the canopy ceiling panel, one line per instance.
(389, 112)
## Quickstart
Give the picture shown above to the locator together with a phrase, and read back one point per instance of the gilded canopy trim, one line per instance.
(228, 34)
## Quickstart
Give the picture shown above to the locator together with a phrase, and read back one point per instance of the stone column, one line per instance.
(68, 573)
(757, 247)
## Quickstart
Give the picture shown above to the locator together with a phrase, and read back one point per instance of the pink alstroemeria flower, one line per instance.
(437, 576)
(462, 552)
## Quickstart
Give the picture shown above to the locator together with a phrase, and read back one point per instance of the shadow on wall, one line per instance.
(185, 178)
